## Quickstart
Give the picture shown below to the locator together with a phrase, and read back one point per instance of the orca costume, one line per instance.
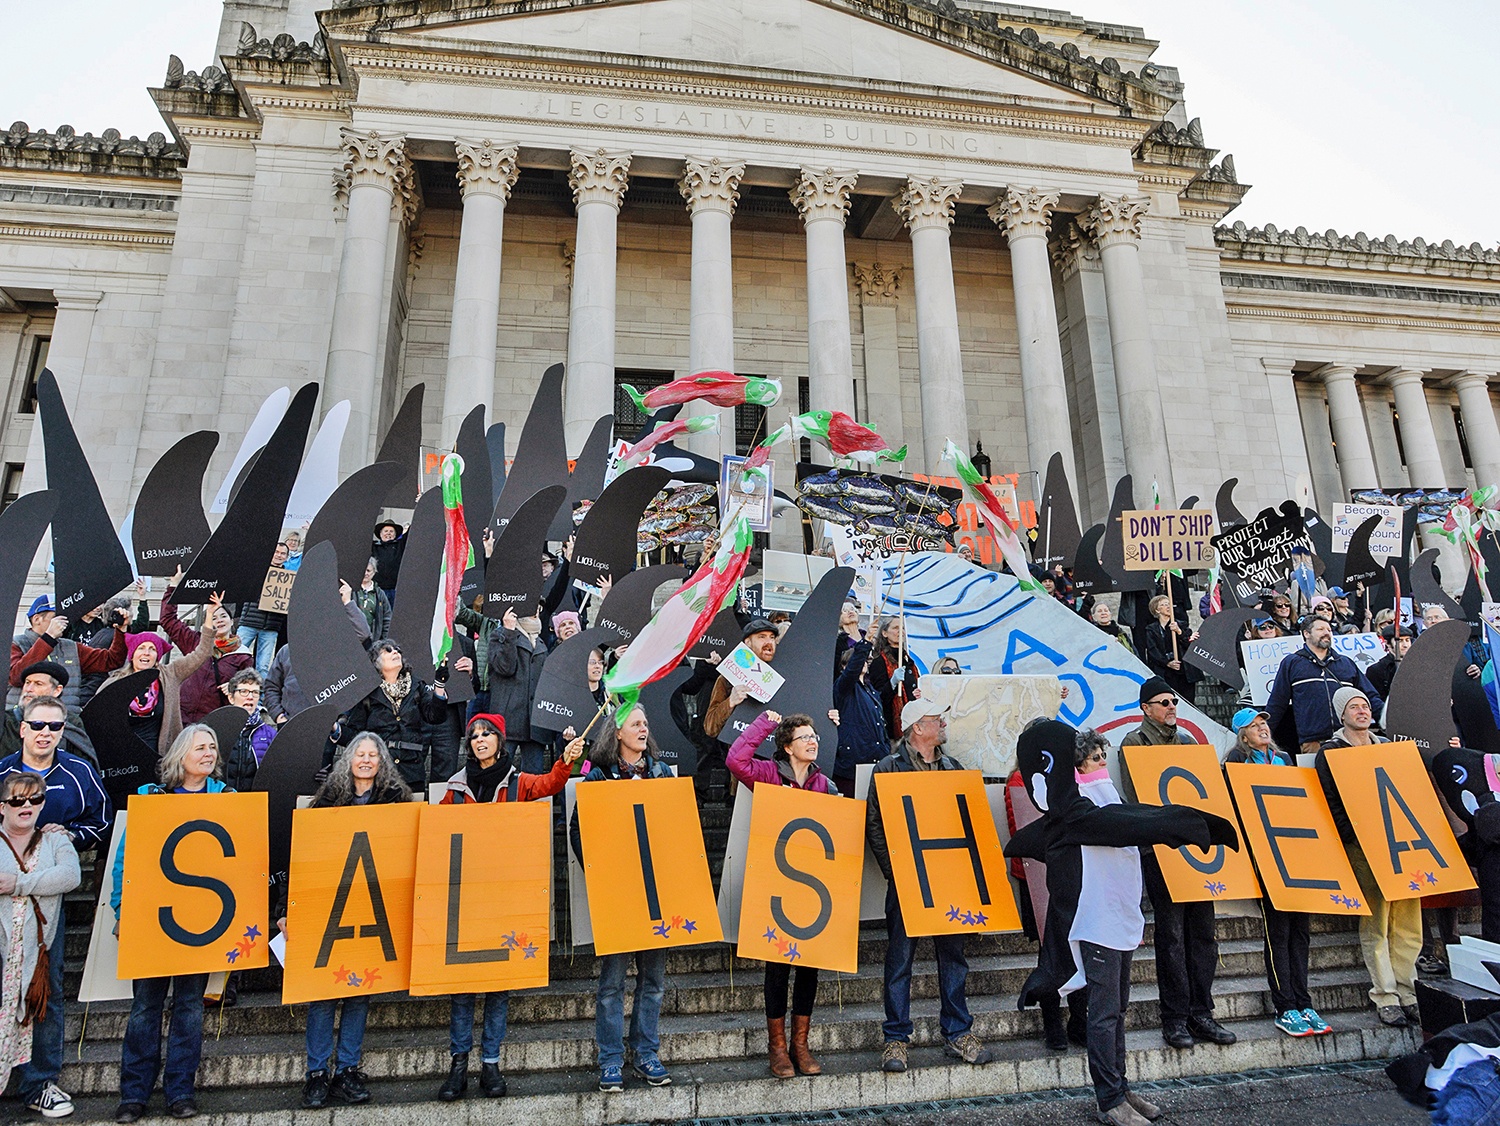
(1470, 784)
(1094, 920)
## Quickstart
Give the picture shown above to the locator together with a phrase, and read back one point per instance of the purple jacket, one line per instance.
(748, 769)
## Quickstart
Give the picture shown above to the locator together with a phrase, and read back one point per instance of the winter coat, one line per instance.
(518, 785)
(244, 758)
(654, 769)
(54, 873)
(481, 630)
(74, 738)
(251, 616)
(75, 798)
(200, 691)
(862, 729)
(899, 762)
(388, 561)
(897, 687)
(402, 730)
(282, 695)
(172, 676)
(1302, 693)
(748, 769)
(211, 786)
(81, 661)
(515, 670)
(376, 610)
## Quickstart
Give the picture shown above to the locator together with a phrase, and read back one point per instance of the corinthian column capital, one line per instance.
(485, 168)
(824, 194)
(711, 185)
(1071, 252)
(600, 176)
(1024, 212)
(374, 158)
(1115, 219)
(928, 203)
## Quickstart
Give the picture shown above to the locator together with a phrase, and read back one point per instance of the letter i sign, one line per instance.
(946, 858)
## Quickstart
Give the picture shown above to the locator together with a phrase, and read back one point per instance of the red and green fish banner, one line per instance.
(458, 557)
(721, 388)
(845, 437)
(1001, 528)
(634, 455)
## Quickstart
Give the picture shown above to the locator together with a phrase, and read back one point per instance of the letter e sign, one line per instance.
(194, 891)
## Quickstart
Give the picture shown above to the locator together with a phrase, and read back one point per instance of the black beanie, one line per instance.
(1154, 687)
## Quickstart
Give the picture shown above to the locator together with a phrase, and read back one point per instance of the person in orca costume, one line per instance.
(1091, 845)
(1470, 784)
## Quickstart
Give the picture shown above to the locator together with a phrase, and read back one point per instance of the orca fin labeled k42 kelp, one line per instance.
(169, 526)
(88, 559)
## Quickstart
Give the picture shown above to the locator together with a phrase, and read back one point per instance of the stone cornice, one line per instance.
(1387, 255)
(563, 71)
(1484, 327)
(981, 34)
(109, 154)
(36, 231)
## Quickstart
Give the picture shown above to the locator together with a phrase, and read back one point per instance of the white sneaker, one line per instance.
(53, 1102)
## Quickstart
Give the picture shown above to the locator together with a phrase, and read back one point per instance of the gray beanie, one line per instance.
(1342, 697)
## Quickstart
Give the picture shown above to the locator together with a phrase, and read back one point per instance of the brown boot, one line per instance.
(781, 1063)
(801, 1056)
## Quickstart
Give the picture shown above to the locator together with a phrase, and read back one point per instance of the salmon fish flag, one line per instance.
(721, 388)
(1001, 527)
(845, 437)
(634, 455)
(662, 643)
(458, 557)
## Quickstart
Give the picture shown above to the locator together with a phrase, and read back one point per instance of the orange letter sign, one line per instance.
(194, 895)
(800, 902)
(1190, 776)
(644, 865)
(483, 898)
(1401, 827)
(1291, 834)
(348, 928)
(945, 854)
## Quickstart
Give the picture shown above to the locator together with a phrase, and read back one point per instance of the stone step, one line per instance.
(394, 1050)
(740, 1087)
(571, 999)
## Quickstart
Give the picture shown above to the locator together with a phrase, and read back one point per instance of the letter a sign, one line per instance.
(1396, 816)
(645, 867)
(349, 900)
(194, 894)
(803, 869)
(483, 898)
(945, 854)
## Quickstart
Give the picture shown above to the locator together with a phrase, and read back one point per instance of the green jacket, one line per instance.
(480, 628)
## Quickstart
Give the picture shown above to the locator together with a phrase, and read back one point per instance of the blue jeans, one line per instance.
(609, 1006)
(461, 1024)
(140, 1059)
(1471, 1098)
(953, 971)
(263, 641)
(351, 1039)
(47, 1033)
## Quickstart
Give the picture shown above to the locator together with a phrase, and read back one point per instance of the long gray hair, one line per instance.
(171, 769)
(338, 788)
(605, 751)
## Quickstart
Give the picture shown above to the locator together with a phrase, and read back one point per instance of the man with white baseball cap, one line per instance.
(924, 728)
(1390, 936)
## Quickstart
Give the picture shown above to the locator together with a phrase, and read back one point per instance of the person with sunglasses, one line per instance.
(1187, 947)
(78, 806)
(795, 764)
(36, 870)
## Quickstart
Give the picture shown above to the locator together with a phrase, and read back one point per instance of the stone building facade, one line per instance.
(952, 218)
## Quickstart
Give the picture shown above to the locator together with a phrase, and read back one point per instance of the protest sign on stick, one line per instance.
(1167, 539)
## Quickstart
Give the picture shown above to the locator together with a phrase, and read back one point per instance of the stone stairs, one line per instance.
(713, 1037)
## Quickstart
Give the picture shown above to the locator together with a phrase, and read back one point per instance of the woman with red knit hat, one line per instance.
(490, 774)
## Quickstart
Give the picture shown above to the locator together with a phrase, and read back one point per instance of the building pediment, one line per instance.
(925, 46)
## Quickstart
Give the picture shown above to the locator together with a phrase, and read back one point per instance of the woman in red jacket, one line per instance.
(490, 774)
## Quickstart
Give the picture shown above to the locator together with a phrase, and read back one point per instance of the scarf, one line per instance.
(484, 781)
(635, 770)
(38, 992)
(226, 644)
(397, 690)
(148, 701)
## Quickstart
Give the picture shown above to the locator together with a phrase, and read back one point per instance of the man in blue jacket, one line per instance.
(1301, 702)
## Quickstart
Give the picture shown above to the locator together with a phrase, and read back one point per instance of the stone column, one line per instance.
(822, 196)
(712, 189)
(67, 355)
(879, 289)
(1099, 446)
(378, 175)
(1114, 222)
(1473, 390)
(1024, 214)
(598, 179)
(1424, 463)
(486, 174)
(1346, 416)
(927, 208)
(1286, 422)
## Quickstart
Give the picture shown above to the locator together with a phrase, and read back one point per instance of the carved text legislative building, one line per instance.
(960, 219)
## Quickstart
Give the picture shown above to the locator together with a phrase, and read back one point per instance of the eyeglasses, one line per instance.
(35, 799)
(813, 735)
(46, 724)
(1164, 702)
(247, 692)
(1096, 756)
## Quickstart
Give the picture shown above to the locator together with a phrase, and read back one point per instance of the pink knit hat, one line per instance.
(134, 641)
